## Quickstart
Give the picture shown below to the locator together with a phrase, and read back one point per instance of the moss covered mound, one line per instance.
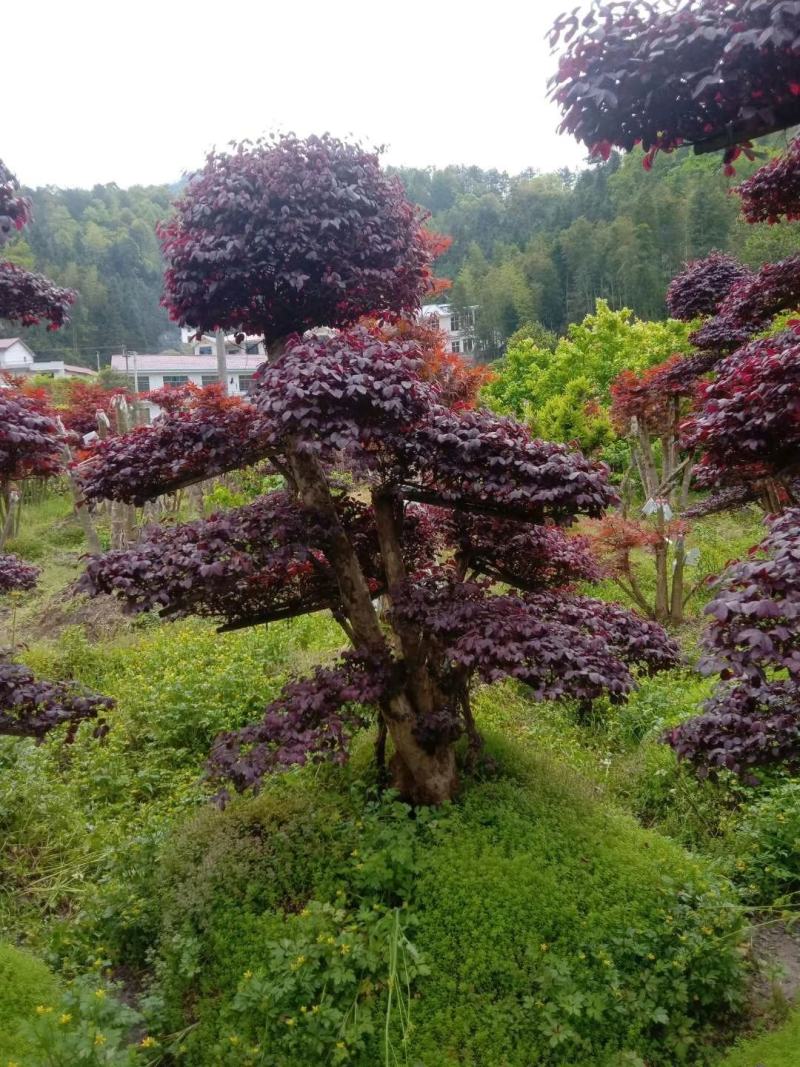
(25, 983)
(549, 928)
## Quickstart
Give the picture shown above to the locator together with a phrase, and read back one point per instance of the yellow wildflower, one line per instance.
(100, 994)
(99, 1039)
(42, 1009)
(65, 1018)
(148, 1042)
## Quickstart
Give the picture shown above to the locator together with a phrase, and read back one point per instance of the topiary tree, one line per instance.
(292, 235)
(16, 575)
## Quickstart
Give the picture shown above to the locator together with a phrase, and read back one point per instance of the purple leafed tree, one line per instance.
(280, 239)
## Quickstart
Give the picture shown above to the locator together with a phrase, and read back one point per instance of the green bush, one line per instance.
(765, 846)
(90, 1025)
(285, 925)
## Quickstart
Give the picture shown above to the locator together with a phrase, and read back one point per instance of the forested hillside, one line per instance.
(546, 246)
(102, 243)
(528, 247)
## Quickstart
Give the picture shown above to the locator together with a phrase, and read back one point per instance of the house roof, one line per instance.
(59, 365)
(7, 342)
(174, 363)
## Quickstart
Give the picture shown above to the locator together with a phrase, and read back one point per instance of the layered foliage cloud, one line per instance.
(292, 234)
(31, 707)
(30, 440)
(682, 72)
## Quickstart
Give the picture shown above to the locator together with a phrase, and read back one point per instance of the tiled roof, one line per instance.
(167, 363)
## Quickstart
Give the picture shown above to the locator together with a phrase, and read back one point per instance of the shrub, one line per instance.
(765, 844)
(90, 1025)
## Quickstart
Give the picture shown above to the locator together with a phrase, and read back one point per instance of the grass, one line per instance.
(778, 1049)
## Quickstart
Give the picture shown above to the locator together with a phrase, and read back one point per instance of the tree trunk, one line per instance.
(420, 776)
(677, 595)
(12, 503)
(662, 577)
(81, 510)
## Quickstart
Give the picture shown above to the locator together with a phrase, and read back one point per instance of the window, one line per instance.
(469, 344)
(143, 381)
(176, 379)
(455, 346)
(252, 348)
(247, 383)
(205, 350)
(455, 323)
(208, 379)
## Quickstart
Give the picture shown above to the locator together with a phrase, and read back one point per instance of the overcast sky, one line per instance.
(116, 91)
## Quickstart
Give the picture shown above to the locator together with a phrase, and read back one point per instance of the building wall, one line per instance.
(459, 327)
(238, 381)
(16, 357)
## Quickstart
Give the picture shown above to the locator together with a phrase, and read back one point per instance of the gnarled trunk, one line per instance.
(421, 775)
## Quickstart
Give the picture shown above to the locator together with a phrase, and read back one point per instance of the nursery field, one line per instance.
(390, 704)
(584, 900)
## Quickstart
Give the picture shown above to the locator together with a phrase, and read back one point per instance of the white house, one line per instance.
(458, 325)
(147, 371)
(17, 358)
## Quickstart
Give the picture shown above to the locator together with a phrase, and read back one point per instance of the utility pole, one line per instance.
(222, 362)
